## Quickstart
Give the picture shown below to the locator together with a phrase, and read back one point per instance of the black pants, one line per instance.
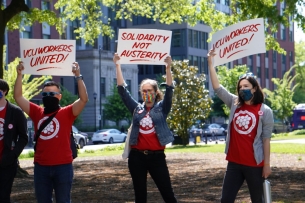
(7, 176)
(234, 178)
(139, 164)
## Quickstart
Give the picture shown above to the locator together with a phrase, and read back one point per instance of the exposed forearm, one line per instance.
(213, 76)
(82, 91)
(119, 75)
(18, 88)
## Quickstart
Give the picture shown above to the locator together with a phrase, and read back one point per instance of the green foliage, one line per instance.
(191, 100)
(115, 110)
(299, 95)
(229, 78)
(67, 99)
(30, 85)
(217, 108)
(281, 98)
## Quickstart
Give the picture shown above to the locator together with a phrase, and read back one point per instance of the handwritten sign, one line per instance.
(47, 56)
(239, 40)
(143, 46)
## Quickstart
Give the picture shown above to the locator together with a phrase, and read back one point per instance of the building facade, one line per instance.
(188, 42)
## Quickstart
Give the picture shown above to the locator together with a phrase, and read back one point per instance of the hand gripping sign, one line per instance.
(47, 56)
(143, 46)
(239, 40)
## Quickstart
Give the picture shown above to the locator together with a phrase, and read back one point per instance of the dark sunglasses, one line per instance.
(51, 94)
(250, 74)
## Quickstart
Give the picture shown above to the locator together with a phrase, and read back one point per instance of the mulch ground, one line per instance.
(196, 177)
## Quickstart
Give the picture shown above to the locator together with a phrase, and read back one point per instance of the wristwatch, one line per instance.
(80, 77)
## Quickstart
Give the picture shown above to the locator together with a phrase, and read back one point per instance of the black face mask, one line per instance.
(51, 104)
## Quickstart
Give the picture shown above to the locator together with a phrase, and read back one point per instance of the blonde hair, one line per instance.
(154, 84)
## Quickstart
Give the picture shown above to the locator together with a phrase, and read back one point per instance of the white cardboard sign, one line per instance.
(239, 40)
(143, 46)
(47, 56)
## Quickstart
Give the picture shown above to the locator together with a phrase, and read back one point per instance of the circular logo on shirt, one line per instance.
(10, 126)
(1, 128)
(146, 125)
(50, 130)
(244, 122)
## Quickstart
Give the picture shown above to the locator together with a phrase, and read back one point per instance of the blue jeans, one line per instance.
(7, 175)
(139, 164)
(47, 178)
(234, 178)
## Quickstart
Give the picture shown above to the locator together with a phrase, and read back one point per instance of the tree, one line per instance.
(191, 100)
(30, 84)
(17, 14)
(229, 78)
(115, 110)
(299, 95)
(281, 98)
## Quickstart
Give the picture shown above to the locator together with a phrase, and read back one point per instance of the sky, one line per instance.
(298, 34)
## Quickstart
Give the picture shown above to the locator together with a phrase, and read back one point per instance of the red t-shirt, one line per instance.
(147, 139)
(53, 144)
(2, 121)
(242, 135)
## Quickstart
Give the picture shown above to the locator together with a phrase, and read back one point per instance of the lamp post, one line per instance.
(94, 97)
(100, 93)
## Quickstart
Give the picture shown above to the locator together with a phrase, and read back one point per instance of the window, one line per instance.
(103, 87)
(204, 65)
(190, 38)
(290, 36)
(158, 69)
(190, 60)
(274, 54)
(291, 56)
(62, 81)
(75, 25)
(27, 34)
(195, 61)
(283, 59)
(45, 5)
(195, 39)
(140, 20)
(283, 33)
(44, 36)
(267, 54)
(128, 82)
(114, 82)
(178, 38)
(258, 71)
(218, 1)
(267, 73)
(141, 69)
(227, 2)
(203, 40)
(106, 43)
(274, 73)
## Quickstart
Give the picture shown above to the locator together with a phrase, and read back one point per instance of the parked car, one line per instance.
(108, 135)
(225, 126)
(80, 137)
(213, 129)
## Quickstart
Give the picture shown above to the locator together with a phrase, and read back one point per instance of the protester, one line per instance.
(53, 156)
(248, 139)
(13, 139)
(149, 134)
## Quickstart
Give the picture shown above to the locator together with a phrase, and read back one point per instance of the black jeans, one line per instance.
(139, 164)
(7, 176)
(234, 178)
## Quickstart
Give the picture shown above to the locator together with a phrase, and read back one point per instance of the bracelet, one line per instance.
(80, 77)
